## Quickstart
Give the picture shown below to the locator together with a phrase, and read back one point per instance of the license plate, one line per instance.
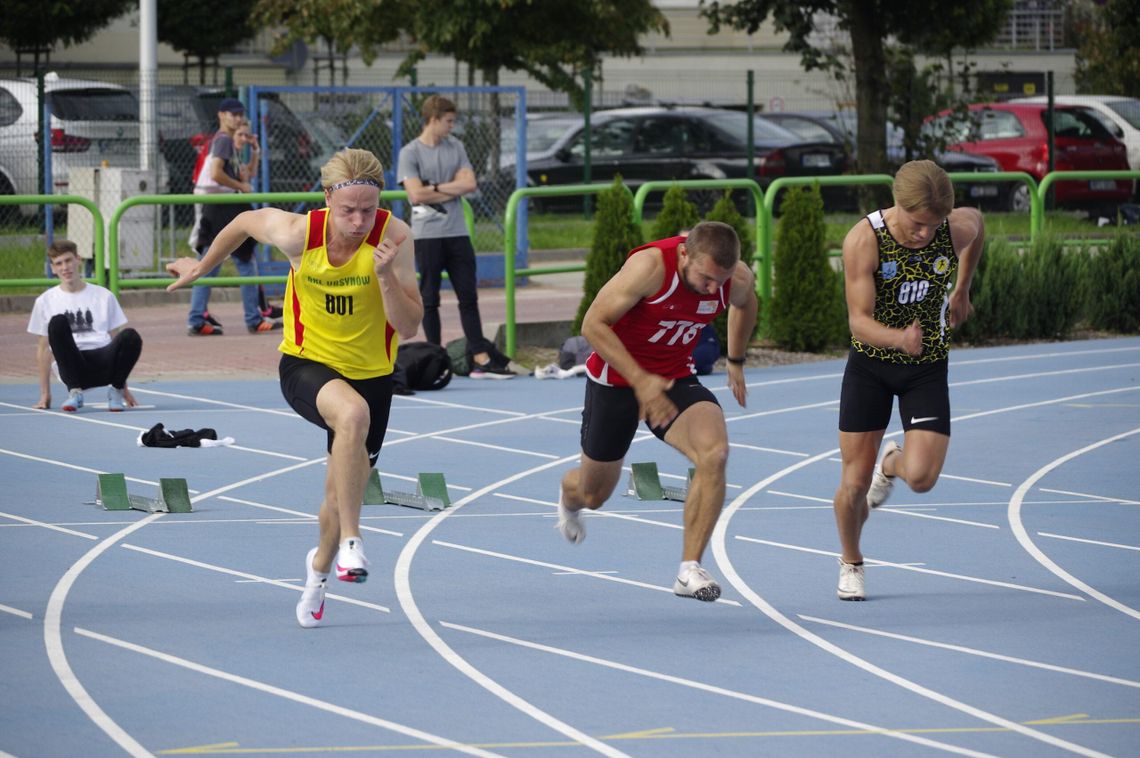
(1102, 185)
(817, 160)
(983, 190)
(117, 146)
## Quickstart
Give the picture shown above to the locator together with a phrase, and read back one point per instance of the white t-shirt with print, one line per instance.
(93, 313)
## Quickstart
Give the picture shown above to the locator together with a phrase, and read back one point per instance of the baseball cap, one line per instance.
(231, 105)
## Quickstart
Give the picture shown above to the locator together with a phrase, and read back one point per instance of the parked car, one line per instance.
(1016, 135)
(92, 124)
(656, 143)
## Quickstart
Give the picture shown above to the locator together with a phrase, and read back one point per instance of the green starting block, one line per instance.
(430, 494)
(173, 496)
(645, 484)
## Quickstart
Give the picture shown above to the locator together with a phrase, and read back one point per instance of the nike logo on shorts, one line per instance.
(922, 420)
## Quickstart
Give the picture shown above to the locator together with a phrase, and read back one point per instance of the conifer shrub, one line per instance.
(725, 211)
(677, 214)
(807, 310)
(615, 234)
(1113, 278)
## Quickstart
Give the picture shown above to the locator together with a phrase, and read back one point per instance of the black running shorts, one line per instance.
(609, 416)
(302, 379)
(870, 387)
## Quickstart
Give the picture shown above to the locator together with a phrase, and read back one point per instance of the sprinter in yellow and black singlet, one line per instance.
(898, 267)
(352, 294)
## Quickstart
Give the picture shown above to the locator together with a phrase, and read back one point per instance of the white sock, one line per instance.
(686, 565)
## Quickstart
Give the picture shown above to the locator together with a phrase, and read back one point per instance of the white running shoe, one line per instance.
(114, 400)
(881, 484)
(351, 565)
(570, 522)
(311, 606)
(697, 583)
(73, 402)
(851, 583)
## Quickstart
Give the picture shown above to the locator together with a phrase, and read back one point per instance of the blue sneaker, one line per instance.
(73, 402)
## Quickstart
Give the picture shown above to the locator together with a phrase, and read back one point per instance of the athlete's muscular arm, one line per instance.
(283, 230)
(640, 277)
(860, 259)
(743, 306)
(394, 262)
(968, 232)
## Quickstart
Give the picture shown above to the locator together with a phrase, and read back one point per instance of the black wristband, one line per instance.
(435, 187)
(738, 361)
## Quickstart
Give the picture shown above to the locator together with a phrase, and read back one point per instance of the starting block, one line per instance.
(430, 494)
(111, 493)
(645, 484)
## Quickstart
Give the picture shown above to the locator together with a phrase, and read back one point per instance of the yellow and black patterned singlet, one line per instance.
(912, 284)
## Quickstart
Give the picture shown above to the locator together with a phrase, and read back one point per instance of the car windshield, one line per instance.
(94, 105)
(1129, 110)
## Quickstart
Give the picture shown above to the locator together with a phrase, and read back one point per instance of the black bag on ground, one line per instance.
(459, 356)
(574, 352)
(424, 366)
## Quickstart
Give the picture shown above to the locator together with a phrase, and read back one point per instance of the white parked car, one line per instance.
(1121, 115)
(92, 124)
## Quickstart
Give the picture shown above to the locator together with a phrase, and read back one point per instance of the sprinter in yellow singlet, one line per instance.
(902, 302)
(351, 296)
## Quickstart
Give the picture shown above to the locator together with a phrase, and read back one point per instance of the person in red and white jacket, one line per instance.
(643, 326)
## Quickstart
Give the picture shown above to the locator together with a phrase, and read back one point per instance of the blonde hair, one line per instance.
(715, 239)
(923, 186)
(352, 165)
(62, 247)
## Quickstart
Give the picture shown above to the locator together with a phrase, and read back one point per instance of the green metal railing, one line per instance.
(762, 260)
(1037, 199)
(96, 220)
(510, 237)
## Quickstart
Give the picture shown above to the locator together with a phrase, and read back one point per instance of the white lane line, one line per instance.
(559, 568)
(1088, 542)
(975, 651)
(1122, 501)
(251, 577)
(777, 451)
(288, 412)
(720, 552)
(402, 579)
(46, 525)
(915, 514)
(53, 642)
(280, 692)
(972, 480)
(1037, 374)
(912, 567)
(500, 448)
(777, 411)
(713, 689)
(1042, 356)
(444, 404)
(301, 516)
(16, 611)
(1026, 542)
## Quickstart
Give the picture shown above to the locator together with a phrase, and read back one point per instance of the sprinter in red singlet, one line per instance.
(643, 326)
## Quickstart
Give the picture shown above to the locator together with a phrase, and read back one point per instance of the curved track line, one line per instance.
(1018, 528)
(720, 553)
(402, 579)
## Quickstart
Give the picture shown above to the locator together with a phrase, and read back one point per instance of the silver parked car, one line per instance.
(92, 124)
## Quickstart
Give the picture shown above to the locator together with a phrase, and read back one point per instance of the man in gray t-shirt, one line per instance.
(436, 173)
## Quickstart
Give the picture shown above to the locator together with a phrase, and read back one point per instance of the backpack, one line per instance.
(574, 352)
(201, 144)
(707, 350)
(424, 366)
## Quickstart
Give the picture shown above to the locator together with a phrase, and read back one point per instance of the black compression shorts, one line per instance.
(870, 387)
(609, 416)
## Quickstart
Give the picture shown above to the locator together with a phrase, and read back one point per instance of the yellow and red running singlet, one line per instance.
(335, 314)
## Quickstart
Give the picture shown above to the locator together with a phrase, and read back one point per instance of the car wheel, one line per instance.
(1019, 198)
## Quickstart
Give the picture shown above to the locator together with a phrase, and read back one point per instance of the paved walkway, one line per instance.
(168, 352)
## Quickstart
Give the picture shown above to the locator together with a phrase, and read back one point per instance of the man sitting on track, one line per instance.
(643, 326)
(351, 291)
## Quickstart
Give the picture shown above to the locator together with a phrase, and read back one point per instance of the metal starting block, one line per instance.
(645, 484)
(111, 493)
(430, 494)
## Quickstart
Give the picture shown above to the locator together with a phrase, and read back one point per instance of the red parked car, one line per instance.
(1016, 135)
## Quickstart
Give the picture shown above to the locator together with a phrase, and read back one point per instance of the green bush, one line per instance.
(725, 211)
(1113, 277)
(807, 310)
(677, 214)
(615, 234)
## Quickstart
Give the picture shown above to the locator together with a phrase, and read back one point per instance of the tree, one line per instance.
(615, 234)
(204, 29)
(339, 24)
(870, 24)
(1108, 56)
(552, 41)
(37, 26)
